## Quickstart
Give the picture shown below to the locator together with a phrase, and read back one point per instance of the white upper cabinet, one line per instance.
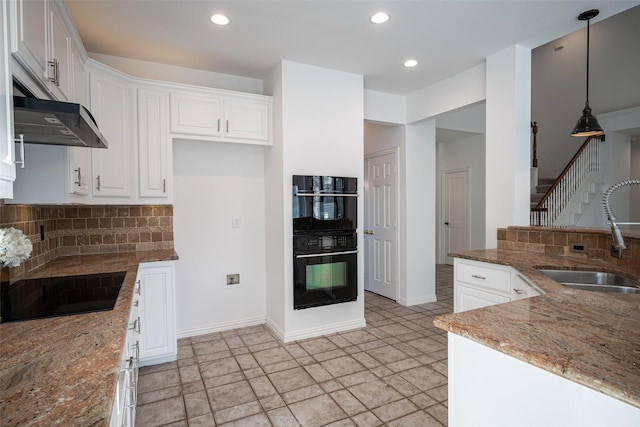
(195, 114)
(30, 35)
(221, 116)
(7, 165)
(111, 107)
(153, 146)
(41, 43)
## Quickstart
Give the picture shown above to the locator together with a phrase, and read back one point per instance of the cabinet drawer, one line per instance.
(481, 275)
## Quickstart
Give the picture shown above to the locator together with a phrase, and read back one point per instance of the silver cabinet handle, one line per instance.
(368, 232)
(79, 181)
(138, 289)
(20, 162)
(477, 276)
(136, 325)
(98, 183)
(518, 291)
(164, 185)
(218, 125)
(56, 72)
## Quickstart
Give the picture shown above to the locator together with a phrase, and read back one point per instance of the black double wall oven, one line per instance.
(325, 248)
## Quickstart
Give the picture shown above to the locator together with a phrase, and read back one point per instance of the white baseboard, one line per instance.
(316, 332)
(416, 301)
(218, 327)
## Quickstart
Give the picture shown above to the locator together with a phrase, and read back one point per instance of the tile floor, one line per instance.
(392, 372)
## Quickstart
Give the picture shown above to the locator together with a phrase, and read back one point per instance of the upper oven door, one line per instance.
(323, 203)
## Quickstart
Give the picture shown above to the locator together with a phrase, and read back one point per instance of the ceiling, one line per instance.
(446, 37)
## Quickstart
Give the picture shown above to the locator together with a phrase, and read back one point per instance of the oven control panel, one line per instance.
(324, 242)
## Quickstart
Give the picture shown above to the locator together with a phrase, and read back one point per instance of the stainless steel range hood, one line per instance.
(42, 121)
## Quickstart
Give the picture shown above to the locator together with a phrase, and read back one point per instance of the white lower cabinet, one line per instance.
(7, 166)
(480, 284)
(158, 342)
(124, 405)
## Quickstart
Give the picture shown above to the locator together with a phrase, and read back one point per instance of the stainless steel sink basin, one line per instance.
(593, 281)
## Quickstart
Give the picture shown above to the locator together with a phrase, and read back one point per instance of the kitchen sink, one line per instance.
(593, 281)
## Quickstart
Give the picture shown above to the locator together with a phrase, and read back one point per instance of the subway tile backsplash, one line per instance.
(95, 229)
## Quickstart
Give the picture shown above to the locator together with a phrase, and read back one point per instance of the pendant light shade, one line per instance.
(587, 124)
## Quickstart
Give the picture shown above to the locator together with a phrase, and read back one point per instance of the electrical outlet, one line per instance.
(233, 279)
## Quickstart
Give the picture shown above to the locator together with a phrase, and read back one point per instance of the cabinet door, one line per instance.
(152, 143)
(59, 64)
(193, 114)
(467, 298)
(246, 120)
(110, 105)
(29, 40)
(7, 165)
(158, 342)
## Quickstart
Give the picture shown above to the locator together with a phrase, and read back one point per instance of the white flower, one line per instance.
(14, 247)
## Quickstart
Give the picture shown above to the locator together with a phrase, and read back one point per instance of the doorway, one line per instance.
(455, 212)
(381, 224)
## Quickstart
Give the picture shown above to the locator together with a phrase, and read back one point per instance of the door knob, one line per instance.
(446, 223)
(368, 231)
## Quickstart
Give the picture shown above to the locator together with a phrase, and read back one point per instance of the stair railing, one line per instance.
(585, 161)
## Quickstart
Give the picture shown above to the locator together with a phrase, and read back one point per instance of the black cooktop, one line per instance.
(59, 296)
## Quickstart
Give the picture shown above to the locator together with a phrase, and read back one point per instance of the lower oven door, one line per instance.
(324, 278)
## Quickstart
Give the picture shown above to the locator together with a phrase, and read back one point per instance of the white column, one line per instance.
(507, 140)
(418, 286)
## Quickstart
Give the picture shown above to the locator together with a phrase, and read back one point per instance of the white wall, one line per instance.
(321, 133)
(384, 107)
(559, 81)
(418, 227)
(464, 153)
(213, 183)
(508, 110)
(172, 73)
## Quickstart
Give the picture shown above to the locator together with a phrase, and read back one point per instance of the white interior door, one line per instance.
(381, 237)
(455, 212)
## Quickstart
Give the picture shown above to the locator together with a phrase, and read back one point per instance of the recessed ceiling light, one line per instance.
(410, 63)
(219, 19)
(379, 18)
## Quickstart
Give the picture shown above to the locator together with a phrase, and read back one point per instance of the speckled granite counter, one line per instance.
(62, 371)
(591, 338)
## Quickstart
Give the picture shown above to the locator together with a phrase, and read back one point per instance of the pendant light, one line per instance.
(587, 124)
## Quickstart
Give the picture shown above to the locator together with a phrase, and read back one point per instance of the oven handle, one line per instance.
(325, 195)
(327, 254)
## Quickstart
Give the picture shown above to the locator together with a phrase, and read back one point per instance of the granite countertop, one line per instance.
(591, 338)
(62, 371)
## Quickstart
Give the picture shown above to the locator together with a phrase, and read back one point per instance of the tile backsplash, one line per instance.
(83, 229)
(558, 242)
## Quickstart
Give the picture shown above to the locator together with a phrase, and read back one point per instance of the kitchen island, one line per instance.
(64, 370)
(590, 339)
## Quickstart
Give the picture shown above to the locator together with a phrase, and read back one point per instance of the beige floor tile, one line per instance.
(202, 421)
(154, 396)
(197, 404)
(229, 395)
(317, 345)
(219, 367)
(158, 380)
(394, 410)
(257, 338)
(223, 379)
(417, 419)
(189, 374)
(375, 393)
(342, 366)
(291, 379)
(282, 417)
(366, 419)
(161, 412)
(318, 373)
(262, 387)
(347, 402)
(258, 420)
(439, 412)
(317, 411)
(208, 347)
(237, 412)
(271, 356)
(302, 393)
(387, 354)
(424, 377)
